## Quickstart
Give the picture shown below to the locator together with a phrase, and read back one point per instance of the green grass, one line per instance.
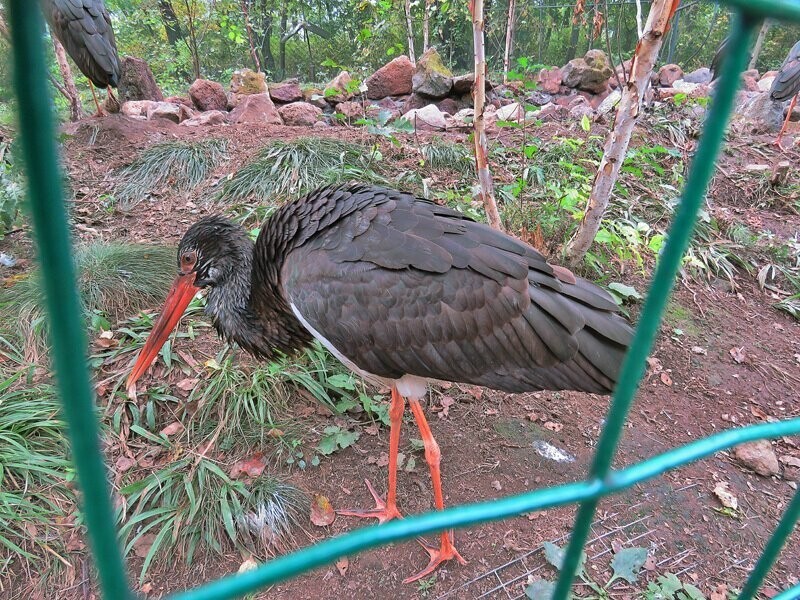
(283, 170)
(448, 155)
(180, 165)
(114, 280)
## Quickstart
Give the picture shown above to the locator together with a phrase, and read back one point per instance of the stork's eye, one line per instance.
(188, 260)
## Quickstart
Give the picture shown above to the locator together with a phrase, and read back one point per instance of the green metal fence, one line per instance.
(67, 336)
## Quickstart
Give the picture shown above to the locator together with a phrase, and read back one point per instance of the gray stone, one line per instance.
(701, 75)
(431, 78)
(427, 117)
(209, 117)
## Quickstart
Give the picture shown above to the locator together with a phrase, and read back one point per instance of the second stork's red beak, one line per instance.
(179, 297)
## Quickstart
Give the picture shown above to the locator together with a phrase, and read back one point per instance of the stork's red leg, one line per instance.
(446, 550)
(386, 511)
(100, 112)
(786, 121)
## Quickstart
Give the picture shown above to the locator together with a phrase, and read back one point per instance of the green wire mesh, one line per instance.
(50, 227)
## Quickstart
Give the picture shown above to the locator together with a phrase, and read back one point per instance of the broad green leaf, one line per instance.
(342, 381)
(626, 291)
(540, 589)
(554, 554)
(586, 124)
(627, 563)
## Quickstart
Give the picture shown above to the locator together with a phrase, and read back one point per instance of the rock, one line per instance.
(374, 111)
(750, 83)
(762, 113)
(590, 73)
(427, 117)
(610, 101)
(462, 84)
(208, 95)
(758, 456)
(180, 100)
(449, 106)
(431, 78)
(351, 110)
(392, 79)
(137, 82)
(580, 107)
(321, 125)
(246, 81)
(136, 108)
(701, 75)
(301, 114)
(549, 80)
(336, 90)
(415, 101)
(511, 112)
(751, 73)
(765, 83)
(167, 110)
(464, 117)
(538, 98)
(685, 87)
(286, 91)
(233, 101)
(669, 74)
(209, 117)
(316, 97)
(257, 109)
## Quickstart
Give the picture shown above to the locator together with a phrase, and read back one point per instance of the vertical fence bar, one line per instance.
(67, 337)
(772, 549)
(679, 235)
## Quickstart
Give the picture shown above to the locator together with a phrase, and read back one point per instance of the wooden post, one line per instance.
(509, 39)
(69, 91)
(410, 33)
(630, 104)
(479, 97)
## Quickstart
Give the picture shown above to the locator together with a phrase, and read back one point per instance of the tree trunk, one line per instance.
(426, 25)
(573, 42)
(253, 53)
(192, 43)
(69, 91)
(639, 30)
(644, 58)
(265, 27)
(171, 24)
(479, 97)
(410, 32)
(282, 43)
(762, 34)
(510, 38)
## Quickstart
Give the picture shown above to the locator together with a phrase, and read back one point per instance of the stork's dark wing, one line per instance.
(787, 81)
(84, 29)
(409, 287)
(719, 58)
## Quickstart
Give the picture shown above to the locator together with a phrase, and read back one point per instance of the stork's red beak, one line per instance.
(181, 293)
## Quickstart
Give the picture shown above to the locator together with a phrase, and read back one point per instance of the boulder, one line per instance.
(752, 73)
(136, 81)
(462, 84)
(180, 100)
(351, 110)
(449, 106)
(300, 114)
(392, 79)
(669, 74)
(136, 108)
(538, 98)
(701, 75)
(758, 456)
(549, 80)
(431, 78)
(590, 73)
(337, 89)
(167, 110)
(765, 83)
(247, 81)
(552, 112)
(316, 97)
(286, 91)
(374, 111)
(415, 101)
(209, 117)
(256, 109)
(511, 112)
(208, 95)
(579, 107)
(762, 113)
(427, 117)
(464, 117)
(609, 102)
(750, 83)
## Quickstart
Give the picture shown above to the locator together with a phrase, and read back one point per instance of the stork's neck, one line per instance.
(249, 309)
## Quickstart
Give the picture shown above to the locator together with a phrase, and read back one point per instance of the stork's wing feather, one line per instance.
(84, 29)
(409, 287)
(787, 82)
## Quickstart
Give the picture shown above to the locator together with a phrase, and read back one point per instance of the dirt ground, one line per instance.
(694, 388)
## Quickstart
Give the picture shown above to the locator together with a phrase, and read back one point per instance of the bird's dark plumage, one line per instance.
(400, 285)
(787, 82)
(84, 29)
(719, 58)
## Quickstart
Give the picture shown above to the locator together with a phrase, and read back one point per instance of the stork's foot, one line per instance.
(446, 551)
(382, 511)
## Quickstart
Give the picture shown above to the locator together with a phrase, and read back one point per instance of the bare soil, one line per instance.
(487, 437)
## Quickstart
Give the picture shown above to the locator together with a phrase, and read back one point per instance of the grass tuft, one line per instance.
(441, 154)
(114, 280)
(286, 169)
(182, 165)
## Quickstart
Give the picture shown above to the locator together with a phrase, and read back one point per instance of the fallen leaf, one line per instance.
(383, 460)
(322, 513)
(187, 358)
(187, 385)
(491, 412)
(446, 403)
(534, 515)
(650, 563)
(720, 593)
(616, 545)
(758, 413)
(699, 350)
(665, 378)
(124, 463)
(552, 426)
(143, 544)
(146, 588)
(738, 354)
(342, 565)
(106, 341)
(172, 428)
(726, 497)
(250, 467)
(411, 464)
(275, 433)
(371, 429)
(248, 565)
(654, 364)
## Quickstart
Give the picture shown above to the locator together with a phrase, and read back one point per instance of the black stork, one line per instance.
(402, 291)
(84, 29)
(787, 85)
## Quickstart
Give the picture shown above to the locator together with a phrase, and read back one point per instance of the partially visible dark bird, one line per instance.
(402, 291)
(719, 58)
(84, 29)
(787, 85)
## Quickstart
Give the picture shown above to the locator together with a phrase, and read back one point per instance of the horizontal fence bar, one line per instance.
(790, 594)
(784, 10)
(66, 327)
(279, 569)
(678, 238)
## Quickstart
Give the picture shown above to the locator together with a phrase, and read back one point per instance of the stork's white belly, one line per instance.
(410, 386)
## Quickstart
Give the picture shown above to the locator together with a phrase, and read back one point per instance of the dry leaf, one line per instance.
(124, 463)
(371, 429)
(187, 385)
(342, 565)
(146, 588)
(322, 513)
(650, 563)
(249, 565)
(552, 426)
(720, 593)
(738, 354)
(172, 428)
(105, 340)
(654, 364)
(665, 378)
(616, 545)
(491, 412)
(699, 350)
(250, 467)
(143, 544)
(446, 403)
(383, 460)
(725, 496)
(275, 433)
